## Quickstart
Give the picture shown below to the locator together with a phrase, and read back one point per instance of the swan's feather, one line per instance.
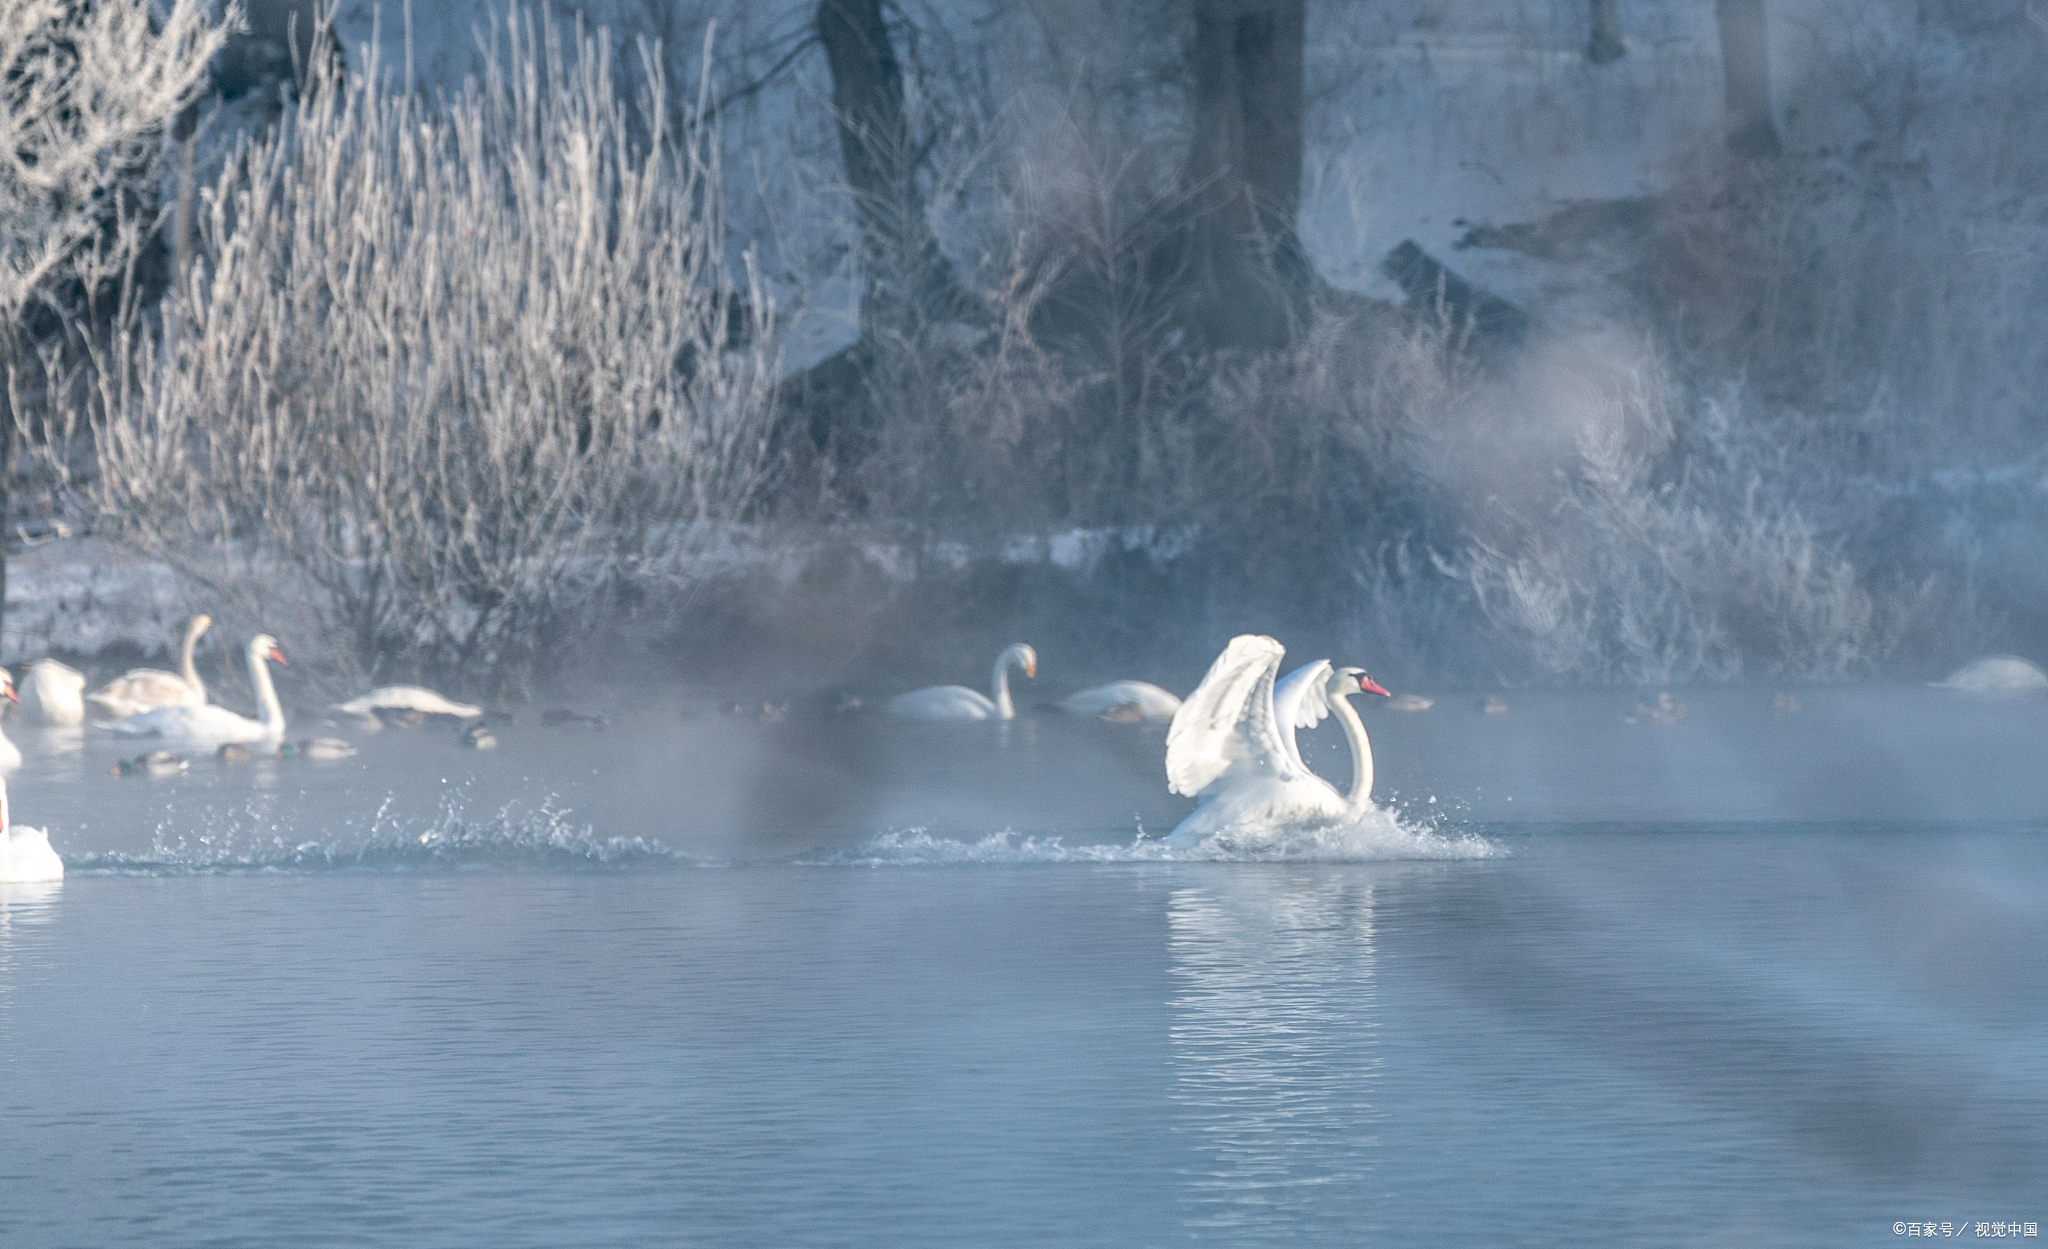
(407, 698)
(943, 702)
(1152, 702)
(1301, 700)
(1226, 727)
(209, 723)
(26, 856)
(142, 689)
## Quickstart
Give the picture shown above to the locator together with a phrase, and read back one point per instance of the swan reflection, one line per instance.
(1273, 1045)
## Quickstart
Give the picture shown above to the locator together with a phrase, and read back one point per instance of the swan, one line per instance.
(406, 698)
(54, 693)
(10, 754)
(144, 689)
(25, 854)
(1149, 701)
(1996, 676)
(957, 702)
(1232, 745)
(218, 724)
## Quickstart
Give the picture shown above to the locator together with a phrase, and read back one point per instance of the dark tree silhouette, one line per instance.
(1244, 171)
(1746, 68)
(907, 279)
(1606, 44)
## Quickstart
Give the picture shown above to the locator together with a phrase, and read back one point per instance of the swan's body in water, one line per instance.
(1997, 676)
(957, 702)
(25, 854)
(218, 724)
(1149, 701)
(54, 693)
(10, 754)
(1232, 746)
(406, 698)
(145, 689)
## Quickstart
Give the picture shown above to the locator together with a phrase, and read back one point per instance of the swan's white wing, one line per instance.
(1227, 724)
(1301, 700)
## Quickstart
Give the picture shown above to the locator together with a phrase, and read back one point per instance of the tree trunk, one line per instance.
(1746, 68)
(1606, 44)
(1244, 171)
(907, 279)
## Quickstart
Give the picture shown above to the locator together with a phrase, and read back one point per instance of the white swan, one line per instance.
(25, 854)
(1232, 746)
(957, 702)
(144, 689)
(1996, 676)
(406, 698)
(218, 724)
(1145, 699)
(53, 693)
(10, 754)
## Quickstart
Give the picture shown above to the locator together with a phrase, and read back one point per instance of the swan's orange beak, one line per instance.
(1370, 686)
(9, 689)
(277, 657)
(1031, 670)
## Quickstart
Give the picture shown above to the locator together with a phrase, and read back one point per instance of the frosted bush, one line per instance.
(451, 371)
(86, 91)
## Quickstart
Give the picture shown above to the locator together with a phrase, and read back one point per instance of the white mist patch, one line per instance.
(515, 837)
(1382, 836)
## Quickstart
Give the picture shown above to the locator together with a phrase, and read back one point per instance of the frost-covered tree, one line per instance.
(86, 90)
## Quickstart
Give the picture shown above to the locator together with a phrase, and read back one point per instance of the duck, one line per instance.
(326, 749)
(155, 763)
(25, 853)
(53, 693)
(145, 689)
(1122, 698)
(218, 724)
(957, 702)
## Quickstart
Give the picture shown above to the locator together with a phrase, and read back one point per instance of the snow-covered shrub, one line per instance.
(1650, 550)
(451, 372)
(86, 92)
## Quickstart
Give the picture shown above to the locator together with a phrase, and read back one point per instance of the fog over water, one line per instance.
(1656, 463)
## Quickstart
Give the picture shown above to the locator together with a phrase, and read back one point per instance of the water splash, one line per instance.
(517, 836)
(1382, 836)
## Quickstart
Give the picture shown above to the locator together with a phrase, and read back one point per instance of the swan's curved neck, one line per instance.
(1361, 752)
(999, 683)
(272, 714)
(191, 673)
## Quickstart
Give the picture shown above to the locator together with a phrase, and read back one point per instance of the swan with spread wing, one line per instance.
(1232, 746)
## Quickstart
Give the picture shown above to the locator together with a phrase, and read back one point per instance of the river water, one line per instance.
(1759, 977)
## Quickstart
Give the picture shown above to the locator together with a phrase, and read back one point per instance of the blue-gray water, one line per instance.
(1754, 978)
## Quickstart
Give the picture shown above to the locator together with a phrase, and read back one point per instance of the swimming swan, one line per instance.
(25, 853)
(144, 689)
(218, 724)
(10, 754)
(957, 702)
(54, 694)
(1232, 745)
(1147, 700)
(1996, 676)
(406, 698)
